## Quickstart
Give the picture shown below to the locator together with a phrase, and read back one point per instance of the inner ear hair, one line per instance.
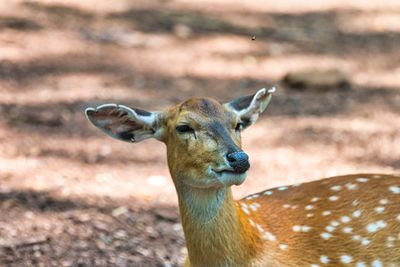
(242, 102)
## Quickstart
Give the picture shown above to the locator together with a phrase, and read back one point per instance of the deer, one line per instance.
(348, 220)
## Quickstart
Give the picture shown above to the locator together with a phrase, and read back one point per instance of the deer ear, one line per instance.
(249, 108)
(124, 123)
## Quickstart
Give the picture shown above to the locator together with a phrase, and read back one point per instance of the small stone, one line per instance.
(121, 234)
(119, 211)
(166, 214)
(330, 79)
(182, 30)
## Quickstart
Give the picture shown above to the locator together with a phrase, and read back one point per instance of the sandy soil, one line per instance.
(70, 196)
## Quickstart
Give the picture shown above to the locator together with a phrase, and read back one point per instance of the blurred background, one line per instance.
(70, 196)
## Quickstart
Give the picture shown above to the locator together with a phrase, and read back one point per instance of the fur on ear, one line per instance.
(125, 123)
(249, 108)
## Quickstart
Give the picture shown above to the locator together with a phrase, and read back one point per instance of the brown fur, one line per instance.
(305, 248)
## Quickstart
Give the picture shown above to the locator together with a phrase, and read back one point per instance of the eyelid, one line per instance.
(183, 124)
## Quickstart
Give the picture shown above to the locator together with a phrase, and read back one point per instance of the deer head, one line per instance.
(202, 135)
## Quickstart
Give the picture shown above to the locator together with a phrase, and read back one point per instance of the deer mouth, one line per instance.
(217, 179)
(230, 177)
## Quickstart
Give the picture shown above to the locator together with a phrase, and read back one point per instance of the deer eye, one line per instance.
(184, 129)
(239, 126)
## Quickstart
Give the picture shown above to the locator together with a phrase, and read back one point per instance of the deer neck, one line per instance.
(216, 232)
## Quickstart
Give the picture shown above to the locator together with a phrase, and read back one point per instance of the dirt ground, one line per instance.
(70, 196)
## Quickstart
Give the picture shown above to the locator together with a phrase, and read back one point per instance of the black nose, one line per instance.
(239, 161)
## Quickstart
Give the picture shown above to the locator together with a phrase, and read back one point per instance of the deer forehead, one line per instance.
(200, 113)
(204, 107)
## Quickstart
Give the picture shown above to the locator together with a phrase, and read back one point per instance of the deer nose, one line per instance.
(239, 161)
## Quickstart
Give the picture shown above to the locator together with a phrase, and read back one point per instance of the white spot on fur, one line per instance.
(355, 203)
(245, 210)
(259, 228)
(395, 189)
(374, 227)
(252, 223)
(362, 180)
(254, 206)
(314, 265)
(334, 223)
(383, 201)
(326, 213)
(380, 209)
(296, 228)
(357, 214)
(286, 206)
(324, 259)
(314, 199)
(361, 264)
(330, 228)
(252, 196)
(333, 198)
(282, 188)
(365, 241)
(326, 235)
(309, 207)
(336, 187)
(346, 259)
(356, 237)
(345, 219)
(309, 215)
(301, 228)
(376, 263)
(347, 230)
(283, 246)
(268, 193)
(390, 241)
(391, 238)
(269, 236)
(398, 217)
(351, 186)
